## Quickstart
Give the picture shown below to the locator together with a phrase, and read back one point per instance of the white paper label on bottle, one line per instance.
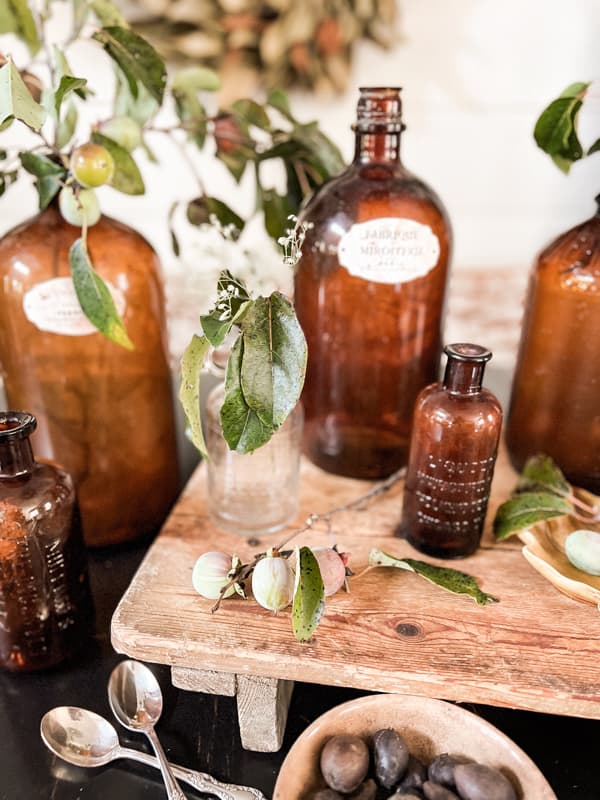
(52, 306)
(389, 250)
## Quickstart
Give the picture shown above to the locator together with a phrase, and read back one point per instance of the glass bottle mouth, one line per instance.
(379, 108)
(464, 351)
(15, 425)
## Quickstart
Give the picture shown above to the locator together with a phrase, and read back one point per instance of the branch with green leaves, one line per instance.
(542, 493)
(246, 135)
(265, 369)
(556, 129)
(318, 572)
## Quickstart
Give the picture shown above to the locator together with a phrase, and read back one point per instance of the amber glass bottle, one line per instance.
(555, 404)
(453, 450)
(105, 413)
(369, 293)
(45, 604)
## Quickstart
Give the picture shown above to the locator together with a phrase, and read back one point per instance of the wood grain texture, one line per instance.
(204, 680)
(394, 632)
(263, 705)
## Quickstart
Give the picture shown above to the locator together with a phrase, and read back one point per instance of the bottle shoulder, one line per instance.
(572, 260)
(445, 408)
(48, 489)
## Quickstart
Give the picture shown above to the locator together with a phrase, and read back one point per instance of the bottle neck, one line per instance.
(465, 368)
(16, 459)
(377, 147)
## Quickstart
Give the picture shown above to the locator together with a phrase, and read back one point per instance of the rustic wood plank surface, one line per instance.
(536, 649)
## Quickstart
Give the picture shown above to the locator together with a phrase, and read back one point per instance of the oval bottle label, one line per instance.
(389, 250)
(53, 307)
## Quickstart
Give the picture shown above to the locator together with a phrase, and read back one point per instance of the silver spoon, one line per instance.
(86, 739)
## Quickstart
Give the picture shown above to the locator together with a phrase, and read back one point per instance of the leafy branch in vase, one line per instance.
(243, 137)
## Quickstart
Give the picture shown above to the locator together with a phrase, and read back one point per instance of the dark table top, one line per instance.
(200, 731)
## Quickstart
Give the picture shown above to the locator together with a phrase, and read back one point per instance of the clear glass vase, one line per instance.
(252, 493)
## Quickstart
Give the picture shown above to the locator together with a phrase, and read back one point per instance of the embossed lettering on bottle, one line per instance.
(456, 429)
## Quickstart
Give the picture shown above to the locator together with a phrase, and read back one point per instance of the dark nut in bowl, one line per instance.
(429, 727)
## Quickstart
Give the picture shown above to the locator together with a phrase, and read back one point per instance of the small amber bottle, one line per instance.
(456, 430)
(45, 602)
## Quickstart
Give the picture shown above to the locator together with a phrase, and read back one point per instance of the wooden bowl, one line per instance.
(430, 727)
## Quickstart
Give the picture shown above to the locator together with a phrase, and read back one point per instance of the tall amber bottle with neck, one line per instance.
(369, 293)
(555, 403)
(104, 413)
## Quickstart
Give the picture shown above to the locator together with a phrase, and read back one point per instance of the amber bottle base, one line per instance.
(437, 552)
(351, 451)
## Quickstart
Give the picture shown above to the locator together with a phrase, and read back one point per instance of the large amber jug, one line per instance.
(369, 293)
(104, 413)
(555, 405)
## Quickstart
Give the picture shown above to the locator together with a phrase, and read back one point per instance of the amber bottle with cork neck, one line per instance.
(45, 603)
(453, 450)
(369, 293)
(555, 403)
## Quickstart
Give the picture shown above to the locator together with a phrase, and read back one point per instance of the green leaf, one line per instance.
(235, 162)
(6, 178)
(141, 107)
(540, 472)
(127, 178)
(138, 60)
(452, 580)
(225, 215)
(232, 303)
(525, 509)
(274, 359)
(189, 390)
(279, 100)
(49, 175)
(277, 209)
(556, 129)
(8, 21)
(80, 12)
(108, 14)
(309, 595)
(594, 148)
(16, 100)
(66, 126)
(67, 84)
(326, 155)
(242, 428)
(94, 297)
(24, 23)
(196, 79)
(252, 113)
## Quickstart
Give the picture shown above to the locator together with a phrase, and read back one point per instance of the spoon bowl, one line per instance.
(135, 696)
(79, 736)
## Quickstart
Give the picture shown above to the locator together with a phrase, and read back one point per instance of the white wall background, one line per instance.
(475, 76)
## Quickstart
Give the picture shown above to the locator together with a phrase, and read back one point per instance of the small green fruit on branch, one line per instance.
(542, 493)
(452, 580)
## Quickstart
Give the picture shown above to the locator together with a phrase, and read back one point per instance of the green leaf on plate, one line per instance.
(137, 59)
(242, 428)
(95, 298)
(127, 177)
(231, 304)
(525, 509)
(67, 84)
(309, 595)
(452, 580)
(16, 101)
(274, 359)
(108, 14)
(189, 391)
(540, 472)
